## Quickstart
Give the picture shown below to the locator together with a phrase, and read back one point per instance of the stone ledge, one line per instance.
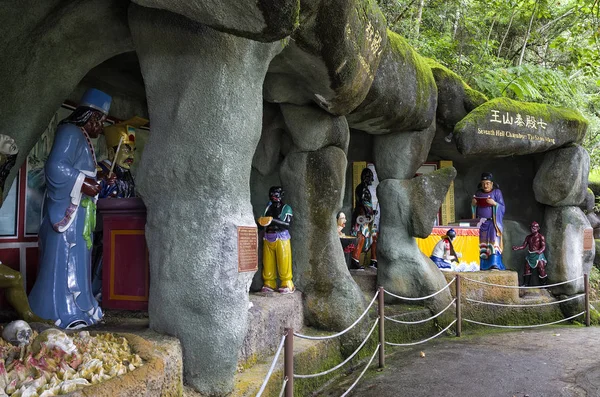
(268, 315)
(161, 374)
(487, 293)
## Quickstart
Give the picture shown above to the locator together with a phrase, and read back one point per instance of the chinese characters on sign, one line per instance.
(528, 122)
(247, 249)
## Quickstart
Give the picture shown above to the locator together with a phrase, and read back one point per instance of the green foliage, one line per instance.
(529, 50)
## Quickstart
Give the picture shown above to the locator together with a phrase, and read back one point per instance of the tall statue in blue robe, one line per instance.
(62, 291)
(488, 204)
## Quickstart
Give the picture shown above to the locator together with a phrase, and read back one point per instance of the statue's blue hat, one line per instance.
(96, 99)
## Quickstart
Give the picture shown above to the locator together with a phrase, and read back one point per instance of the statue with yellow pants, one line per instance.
(277, 250)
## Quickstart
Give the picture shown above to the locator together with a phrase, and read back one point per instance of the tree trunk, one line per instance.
(456, 20)
(527, 34)
(507, 30)
(419, 17)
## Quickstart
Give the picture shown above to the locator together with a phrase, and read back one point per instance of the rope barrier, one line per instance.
(523, 326)
(262, 387)
(342, 332)
(512, 286)
(420, 321)
(529, 305)
(362, 373)
(423, 341)
(283, 386)
(424, 297)
(343, 362)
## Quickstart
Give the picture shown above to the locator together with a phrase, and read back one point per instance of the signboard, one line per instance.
(247, 249)
(503, 127)
(588, 239)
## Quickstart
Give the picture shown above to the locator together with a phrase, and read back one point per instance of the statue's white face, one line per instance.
(8, 145)
(341, 220)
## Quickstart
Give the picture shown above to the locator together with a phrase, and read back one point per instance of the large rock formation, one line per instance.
(408, 209)
(204, 95)
(314, 184)
(455, 98)
(403, 95)
(563, 177)
(331, 58)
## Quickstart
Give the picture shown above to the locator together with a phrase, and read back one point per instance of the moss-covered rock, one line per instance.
(455, 97)
(562, 179)
(332, 57)
(502, 127)
(403, 94)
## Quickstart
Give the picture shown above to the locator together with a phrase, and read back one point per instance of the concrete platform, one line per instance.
(269, 314)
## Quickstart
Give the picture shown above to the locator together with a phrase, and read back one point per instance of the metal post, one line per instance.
(381, 328)
(288, 360)
(458, 308)
(586, 281)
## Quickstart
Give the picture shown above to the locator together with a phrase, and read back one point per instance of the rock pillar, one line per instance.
(313, 176)
(204, 91)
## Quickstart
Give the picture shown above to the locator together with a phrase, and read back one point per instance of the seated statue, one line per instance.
(443, 254)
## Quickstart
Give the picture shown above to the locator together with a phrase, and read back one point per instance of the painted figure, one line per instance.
(115, 172)
(443, 254)
(8, 157)
(363, 220)
(277, 250)
(535, 258)
(341, 223)
(62, 291)
(488, 203)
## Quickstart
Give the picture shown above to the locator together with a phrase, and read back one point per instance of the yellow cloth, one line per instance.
(278, 253)
(467, 245)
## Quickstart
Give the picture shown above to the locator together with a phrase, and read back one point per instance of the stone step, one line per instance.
(366, 280)
(268, 315)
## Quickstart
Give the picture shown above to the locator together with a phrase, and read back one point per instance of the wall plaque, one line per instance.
(247, 249)
(588, 239)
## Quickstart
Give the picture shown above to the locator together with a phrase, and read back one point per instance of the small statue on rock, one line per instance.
(363, 221)
(535, 258)
(488, 204)
(443, 254)
(341, 223)
(277, 250)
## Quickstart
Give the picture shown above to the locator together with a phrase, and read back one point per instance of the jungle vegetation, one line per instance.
(545, 51)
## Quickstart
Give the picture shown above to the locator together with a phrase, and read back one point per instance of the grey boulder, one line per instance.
(562, 178)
